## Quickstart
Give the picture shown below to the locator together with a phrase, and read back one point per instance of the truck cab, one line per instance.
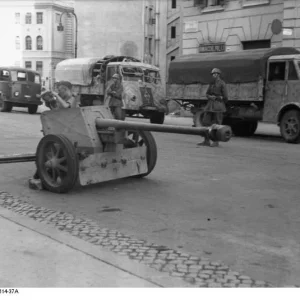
(282, 95)
(19, 87)
(143, 91)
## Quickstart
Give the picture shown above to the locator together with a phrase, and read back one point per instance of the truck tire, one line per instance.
(157, 118)
(6, 106)
(290, 126)
(244, 128)
(32, 109)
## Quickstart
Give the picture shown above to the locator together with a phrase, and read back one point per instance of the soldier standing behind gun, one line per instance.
(115, 91)
(217, 97)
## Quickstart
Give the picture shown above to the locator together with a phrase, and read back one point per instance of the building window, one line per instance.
(39, 18)
(207, 3)
(173, 4)
(39, 43)
(17, 18)
(173, 32)
(172, 57)
(28, 18)
(260, 44)
(18, 43)
(28, 64)
(28, 43)
(39, 67)
(57, 18)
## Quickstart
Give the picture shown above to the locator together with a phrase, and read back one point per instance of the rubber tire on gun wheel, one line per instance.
(32, 109)
(71, 164)
(6, 106)
(150, 144)
(157, 118)
(290, 118)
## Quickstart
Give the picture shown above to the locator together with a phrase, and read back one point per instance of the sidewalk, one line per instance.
(38, 255)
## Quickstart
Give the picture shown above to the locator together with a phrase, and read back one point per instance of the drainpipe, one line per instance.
(143, 26)
(157, 9)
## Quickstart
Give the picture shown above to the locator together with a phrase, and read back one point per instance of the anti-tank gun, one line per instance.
(88, 146)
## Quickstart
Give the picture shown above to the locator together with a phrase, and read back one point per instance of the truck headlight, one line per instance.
(16, 94)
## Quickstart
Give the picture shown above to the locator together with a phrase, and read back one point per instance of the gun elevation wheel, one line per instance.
(57, 163)
(140, 138)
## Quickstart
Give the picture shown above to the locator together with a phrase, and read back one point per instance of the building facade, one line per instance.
(149, 30)
(33, 40)
(230, 25)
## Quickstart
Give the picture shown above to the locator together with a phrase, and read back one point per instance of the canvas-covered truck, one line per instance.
(143, 91)
(263, 86)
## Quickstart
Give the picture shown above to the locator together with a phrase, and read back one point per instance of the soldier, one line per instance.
(115, 91)
(217, 97)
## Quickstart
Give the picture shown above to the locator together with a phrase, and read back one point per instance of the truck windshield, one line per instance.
(4, 75)
(151, 76)
(132, 73)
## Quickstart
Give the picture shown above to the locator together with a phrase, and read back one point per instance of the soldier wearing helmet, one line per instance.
(115, 92)
(217, 98)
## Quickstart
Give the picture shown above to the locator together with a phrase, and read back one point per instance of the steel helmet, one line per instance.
(116, 76)
(216, 70)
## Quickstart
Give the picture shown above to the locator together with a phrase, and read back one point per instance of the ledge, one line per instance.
(211, 9)
(255, 3)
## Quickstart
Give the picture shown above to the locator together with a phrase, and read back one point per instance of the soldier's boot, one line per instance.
(204, 143)
(215, 144)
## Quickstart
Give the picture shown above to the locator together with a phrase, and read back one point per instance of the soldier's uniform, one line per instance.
(213, 112)
(217, 97)
(115, 91)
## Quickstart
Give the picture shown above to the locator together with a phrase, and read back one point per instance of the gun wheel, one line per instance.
(140, 138)
(57, 163)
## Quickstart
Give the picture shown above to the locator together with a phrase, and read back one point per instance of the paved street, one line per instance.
(228, 216)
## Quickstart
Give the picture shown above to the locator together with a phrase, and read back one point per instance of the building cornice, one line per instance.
(55, 6)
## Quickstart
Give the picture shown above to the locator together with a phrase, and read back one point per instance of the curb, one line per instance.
(121, 262)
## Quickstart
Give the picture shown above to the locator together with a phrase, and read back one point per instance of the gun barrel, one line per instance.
(217, 133)
(14, 158)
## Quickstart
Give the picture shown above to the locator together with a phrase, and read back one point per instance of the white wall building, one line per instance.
(29, 35)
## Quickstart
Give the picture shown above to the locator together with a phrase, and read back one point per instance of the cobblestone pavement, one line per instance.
(199, 271)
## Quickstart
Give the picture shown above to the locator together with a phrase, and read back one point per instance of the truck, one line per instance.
(143, 94)
(19, 87)
(263, 86)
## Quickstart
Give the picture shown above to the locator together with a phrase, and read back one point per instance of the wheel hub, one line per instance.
(292, 126)
(52, 163)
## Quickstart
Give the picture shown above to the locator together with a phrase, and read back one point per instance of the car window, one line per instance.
(276, 71)
(292, 71)
(37, 79)
(21, 76)
(111, 71)
(4, 75)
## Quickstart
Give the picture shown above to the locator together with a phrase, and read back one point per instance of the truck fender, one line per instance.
(286, 107)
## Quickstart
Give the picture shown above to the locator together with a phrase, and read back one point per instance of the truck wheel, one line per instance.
(290, 126)
(157, 118)
(243, 128)
(32, 109)
(57, 163)
(6, 106)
